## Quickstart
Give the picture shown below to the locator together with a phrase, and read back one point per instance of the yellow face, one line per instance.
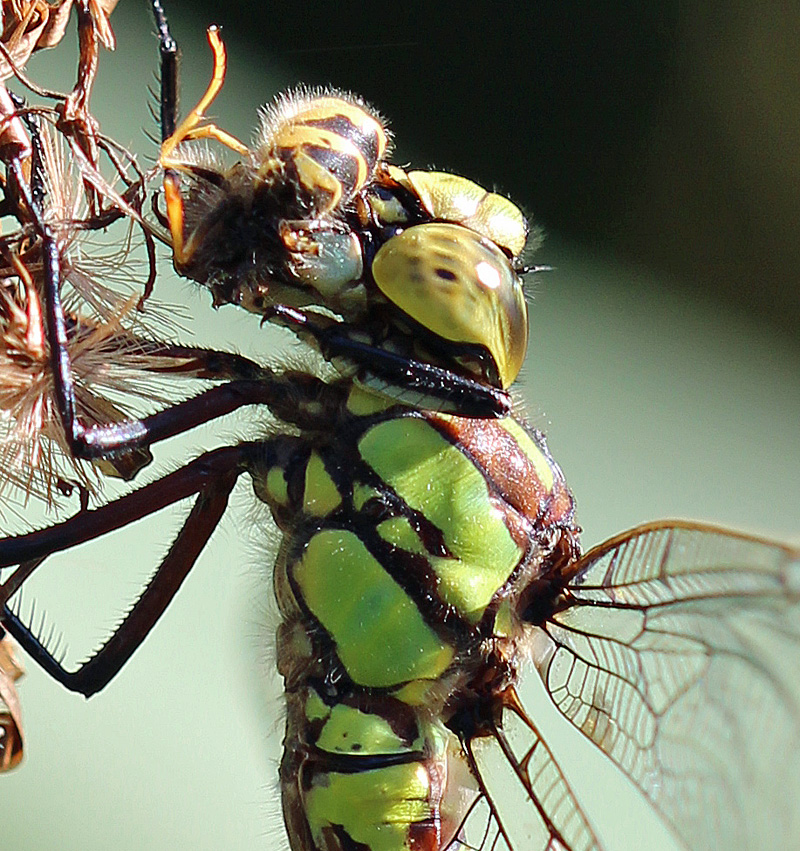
(326, 144)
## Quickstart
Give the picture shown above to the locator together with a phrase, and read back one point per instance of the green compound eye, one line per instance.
(458, 286)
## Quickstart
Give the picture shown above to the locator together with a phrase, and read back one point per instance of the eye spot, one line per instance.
(445, 274)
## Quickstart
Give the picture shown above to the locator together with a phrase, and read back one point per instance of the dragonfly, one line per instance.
(655, 657)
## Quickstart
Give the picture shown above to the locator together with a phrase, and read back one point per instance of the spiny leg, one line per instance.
(211, 477)
(168, 95)
(192, 127)
(435, 386)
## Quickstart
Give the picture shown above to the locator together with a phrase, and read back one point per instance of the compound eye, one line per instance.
(460, 287)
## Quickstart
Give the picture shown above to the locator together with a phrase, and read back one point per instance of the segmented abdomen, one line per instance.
(407, 539)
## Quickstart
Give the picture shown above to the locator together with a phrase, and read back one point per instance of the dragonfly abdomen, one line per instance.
(406, 550)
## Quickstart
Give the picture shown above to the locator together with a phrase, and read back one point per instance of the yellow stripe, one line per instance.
(531, 451)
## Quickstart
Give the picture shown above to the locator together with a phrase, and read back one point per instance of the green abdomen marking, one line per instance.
(380, 635)
(375, 809)
(436, 479)
(404, 532)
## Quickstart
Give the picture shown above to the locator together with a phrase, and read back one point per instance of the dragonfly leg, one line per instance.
(168, 94)
(211, 477)
(192, 127)
(249, 384)
(337, 340)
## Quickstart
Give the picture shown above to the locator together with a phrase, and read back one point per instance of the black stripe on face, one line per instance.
(341, 125)
(345, 167)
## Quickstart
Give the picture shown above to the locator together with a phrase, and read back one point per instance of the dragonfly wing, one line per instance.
(679, 657)
(537, 809)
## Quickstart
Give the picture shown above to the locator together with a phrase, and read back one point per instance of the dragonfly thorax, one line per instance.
(406, 553)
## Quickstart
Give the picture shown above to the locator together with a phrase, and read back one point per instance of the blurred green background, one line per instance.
(658, 147)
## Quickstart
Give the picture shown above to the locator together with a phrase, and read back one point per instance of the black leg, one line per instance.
(101, 441)
(210, 477)
(87, 525)
(168, 97)
(454, 393)
(249, 384)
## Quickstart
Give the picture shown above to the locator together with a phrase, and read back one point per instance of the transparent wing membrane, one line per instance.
(678, 659)
(527, 802)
